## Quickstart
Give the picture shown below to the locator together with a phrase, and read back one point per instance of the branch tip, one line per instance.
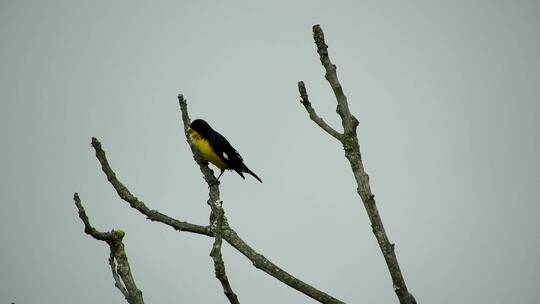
(95, 143)
(302, 88)
(304, 100)
(181, 98)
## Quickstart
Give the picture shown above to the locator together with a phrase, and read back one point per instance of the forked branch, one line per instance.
(349, 140)
(228, 234)
(118, 259)
(219, 227)
(218, 224)
(304, 100)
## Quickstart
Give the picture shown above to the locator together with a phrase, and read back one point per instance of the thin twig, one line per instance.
(304, 100)
(118, 259)
(350, 144)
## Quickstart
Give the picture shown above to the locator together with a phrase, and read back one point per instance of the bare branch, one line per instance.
(313, 115)
(134, 202)
(219, 267)
(121, 272)
(221, 228)
(350, 144)
(262, 263)
(348, 121)
(218, 221)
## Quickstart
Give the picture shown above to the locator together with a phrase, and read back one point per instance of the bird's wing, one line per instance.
(229, 155)
(225, 151)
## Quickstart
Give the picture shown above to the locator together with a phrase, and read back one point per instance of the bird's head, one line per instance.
(200, 126)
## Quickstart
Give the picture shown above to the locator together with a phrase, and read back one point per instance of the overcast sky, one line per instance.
(447, 94)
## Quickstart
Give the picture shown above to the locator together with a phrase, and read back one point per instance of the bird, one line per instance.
(215, 148)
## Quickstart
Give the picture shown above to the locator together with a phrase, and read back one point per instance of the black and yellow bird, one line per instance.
(216, 149)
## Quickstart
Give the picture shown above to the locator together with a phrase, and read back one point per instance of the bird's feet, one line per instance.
(214, 183)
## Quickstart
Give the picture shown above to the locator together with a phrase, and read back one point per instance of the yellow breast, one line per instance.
(206, 150)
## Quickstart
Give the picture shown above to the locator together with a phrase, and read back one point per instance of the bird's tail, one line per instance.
(246, 169)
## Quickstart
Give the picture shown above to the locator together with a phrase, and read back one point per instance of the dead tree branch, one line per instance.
(219, 267)
(217, 215)
(226, 232)
(313, 115)
(349, 140)
(218, 223)
(258, 260)
(218, 220)
(139, 205)
(118, 259)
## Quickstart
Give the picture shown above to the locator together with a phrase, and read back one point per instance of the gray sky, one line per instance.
(447, 94)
